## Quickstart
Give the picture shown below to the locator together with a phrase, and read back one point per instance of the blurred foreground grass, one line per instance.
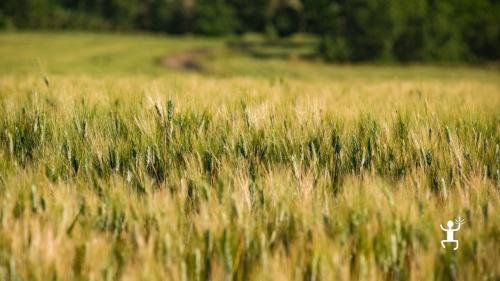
(130, 171)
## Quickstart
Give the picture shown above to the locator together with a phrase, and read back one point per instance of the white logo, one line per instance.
(450, 231)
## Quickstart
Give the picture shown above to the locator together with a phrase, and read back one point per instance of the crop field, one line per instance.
(141, 157)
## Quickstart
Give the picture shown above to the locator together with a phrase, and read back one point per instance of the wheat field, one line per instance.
(320, 173)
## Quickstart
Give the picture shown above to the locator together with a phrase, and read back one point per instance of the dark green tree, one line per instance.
(214, 17)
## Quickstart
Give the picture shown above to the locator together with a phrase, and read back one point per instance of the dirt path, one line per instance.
(186, 60)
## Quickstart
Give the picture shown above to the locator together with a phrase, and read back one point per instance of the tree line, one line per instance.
(350, 30)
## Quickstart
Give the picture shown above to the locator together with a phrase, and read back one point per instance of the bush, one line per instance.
(334, 49)
(442, 34)
(5, 22)
(286, 21)
(480, 28)
(417, 30)
(214, 17)
(365, 28)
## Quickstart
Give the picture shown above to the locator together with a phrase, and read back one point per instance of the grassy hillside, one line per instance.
(119, 54)
(250, 168)
(84, 53)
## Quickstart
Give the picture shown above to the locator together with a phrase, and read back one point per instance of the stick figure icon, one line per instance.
(450, 232)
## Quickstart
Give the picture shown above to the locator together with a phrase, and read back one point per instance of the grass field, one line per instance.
(257, 167)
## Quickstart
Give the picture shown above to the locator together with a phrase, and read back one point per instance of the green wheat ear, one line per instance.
(170, 110)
